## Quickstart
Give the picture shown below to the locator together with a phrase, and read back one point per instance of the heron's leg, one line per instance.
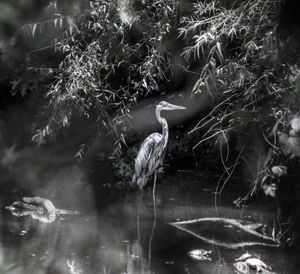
(153, 194)
(154, 187)
(154, 221)
(138, 215)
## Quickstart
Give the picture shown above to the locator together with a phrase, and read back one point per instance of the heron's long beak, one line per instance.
(175, 107)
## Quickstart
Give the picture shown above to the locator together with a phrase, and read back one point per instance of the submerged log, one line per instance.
(225, 232)
(38, 208)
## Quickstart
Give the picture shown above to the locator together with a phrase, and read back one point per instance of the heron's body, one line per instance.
(150, 155)
(148, 159)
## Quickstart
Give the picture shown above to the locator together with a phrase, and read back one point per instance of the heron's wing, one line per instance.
(146, 152)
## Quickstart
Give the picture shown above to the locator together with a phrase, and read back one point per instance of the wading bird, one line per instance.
(151, 152)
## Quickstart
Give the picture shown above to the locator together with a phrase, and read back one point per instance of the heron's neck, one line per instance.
(164, 124)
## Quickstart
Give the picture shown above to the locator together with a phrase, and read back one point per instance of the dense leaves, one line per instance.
(247, 70)
(113, 56)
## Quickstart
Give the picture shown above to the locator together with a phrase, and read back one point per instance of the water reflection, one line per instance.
(118, 231)
(136, 264)
(74, 268)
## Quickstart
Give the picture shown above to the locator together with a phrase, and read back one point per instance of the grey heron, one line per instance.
(150, 155)
(149, 158)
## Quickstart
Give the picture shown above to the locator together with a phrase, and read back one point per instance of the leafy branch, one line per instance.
(109, 64)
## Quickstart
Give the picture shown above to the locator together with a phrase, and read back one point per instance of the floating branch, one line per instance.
(206, 230)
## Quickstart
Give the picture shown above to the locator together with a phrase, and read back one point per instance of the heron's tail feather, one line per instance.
(141, 182)
(133, 182)
(138, 181)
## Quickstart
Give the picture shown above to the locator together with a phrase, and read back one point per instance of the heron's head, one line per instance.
(163, 105)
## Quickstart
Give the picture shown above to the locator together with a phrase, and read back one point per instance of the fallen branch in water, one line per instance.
(265, 240)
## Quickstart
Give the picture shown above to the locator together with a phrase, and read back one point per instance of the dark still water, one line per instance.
(116, 230)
